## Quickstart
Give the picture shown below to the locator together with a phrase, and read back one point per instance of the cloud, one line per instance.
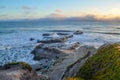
(81, 18)
(56, 15)
(85, 18)
(58, 11)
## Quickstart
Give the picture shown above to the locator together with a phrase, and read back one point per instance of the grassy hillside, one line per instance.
(105, 65)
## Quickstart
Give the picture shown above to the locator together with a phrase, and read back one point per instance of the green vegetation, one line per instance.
(105, 65)
(23, 64)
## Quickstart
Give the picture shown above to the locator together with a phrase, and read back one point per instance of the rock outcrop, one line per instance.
(78, 32)
(19, 71)
(55, 39)
(47, 53)
(46, 34)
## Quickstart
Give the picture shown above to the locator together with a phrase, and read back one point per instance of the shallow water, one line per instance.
(15, 44)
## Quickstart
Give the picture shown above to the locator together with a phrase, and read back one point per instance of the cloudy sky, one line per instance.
(32, 9)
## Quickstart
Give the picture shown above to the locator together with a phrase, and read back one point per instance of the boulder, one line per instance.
(46, 34)
(78, 32)
(31, 39)
(19, 71)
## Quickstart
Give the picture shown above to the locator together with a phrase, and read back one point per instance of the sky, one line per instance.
(35, 9)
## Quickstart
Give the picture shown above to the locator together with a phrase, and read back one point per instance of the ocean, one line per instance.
(92, 27)
(15, 44)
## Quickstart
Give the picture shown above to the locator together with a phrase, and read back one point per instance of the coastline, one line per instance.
(53, 55)
(17, 43)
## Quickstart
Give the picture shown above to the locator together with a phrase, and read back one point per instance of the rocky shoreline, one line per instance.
(58, 55)
(57, 60)
(53, 49)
